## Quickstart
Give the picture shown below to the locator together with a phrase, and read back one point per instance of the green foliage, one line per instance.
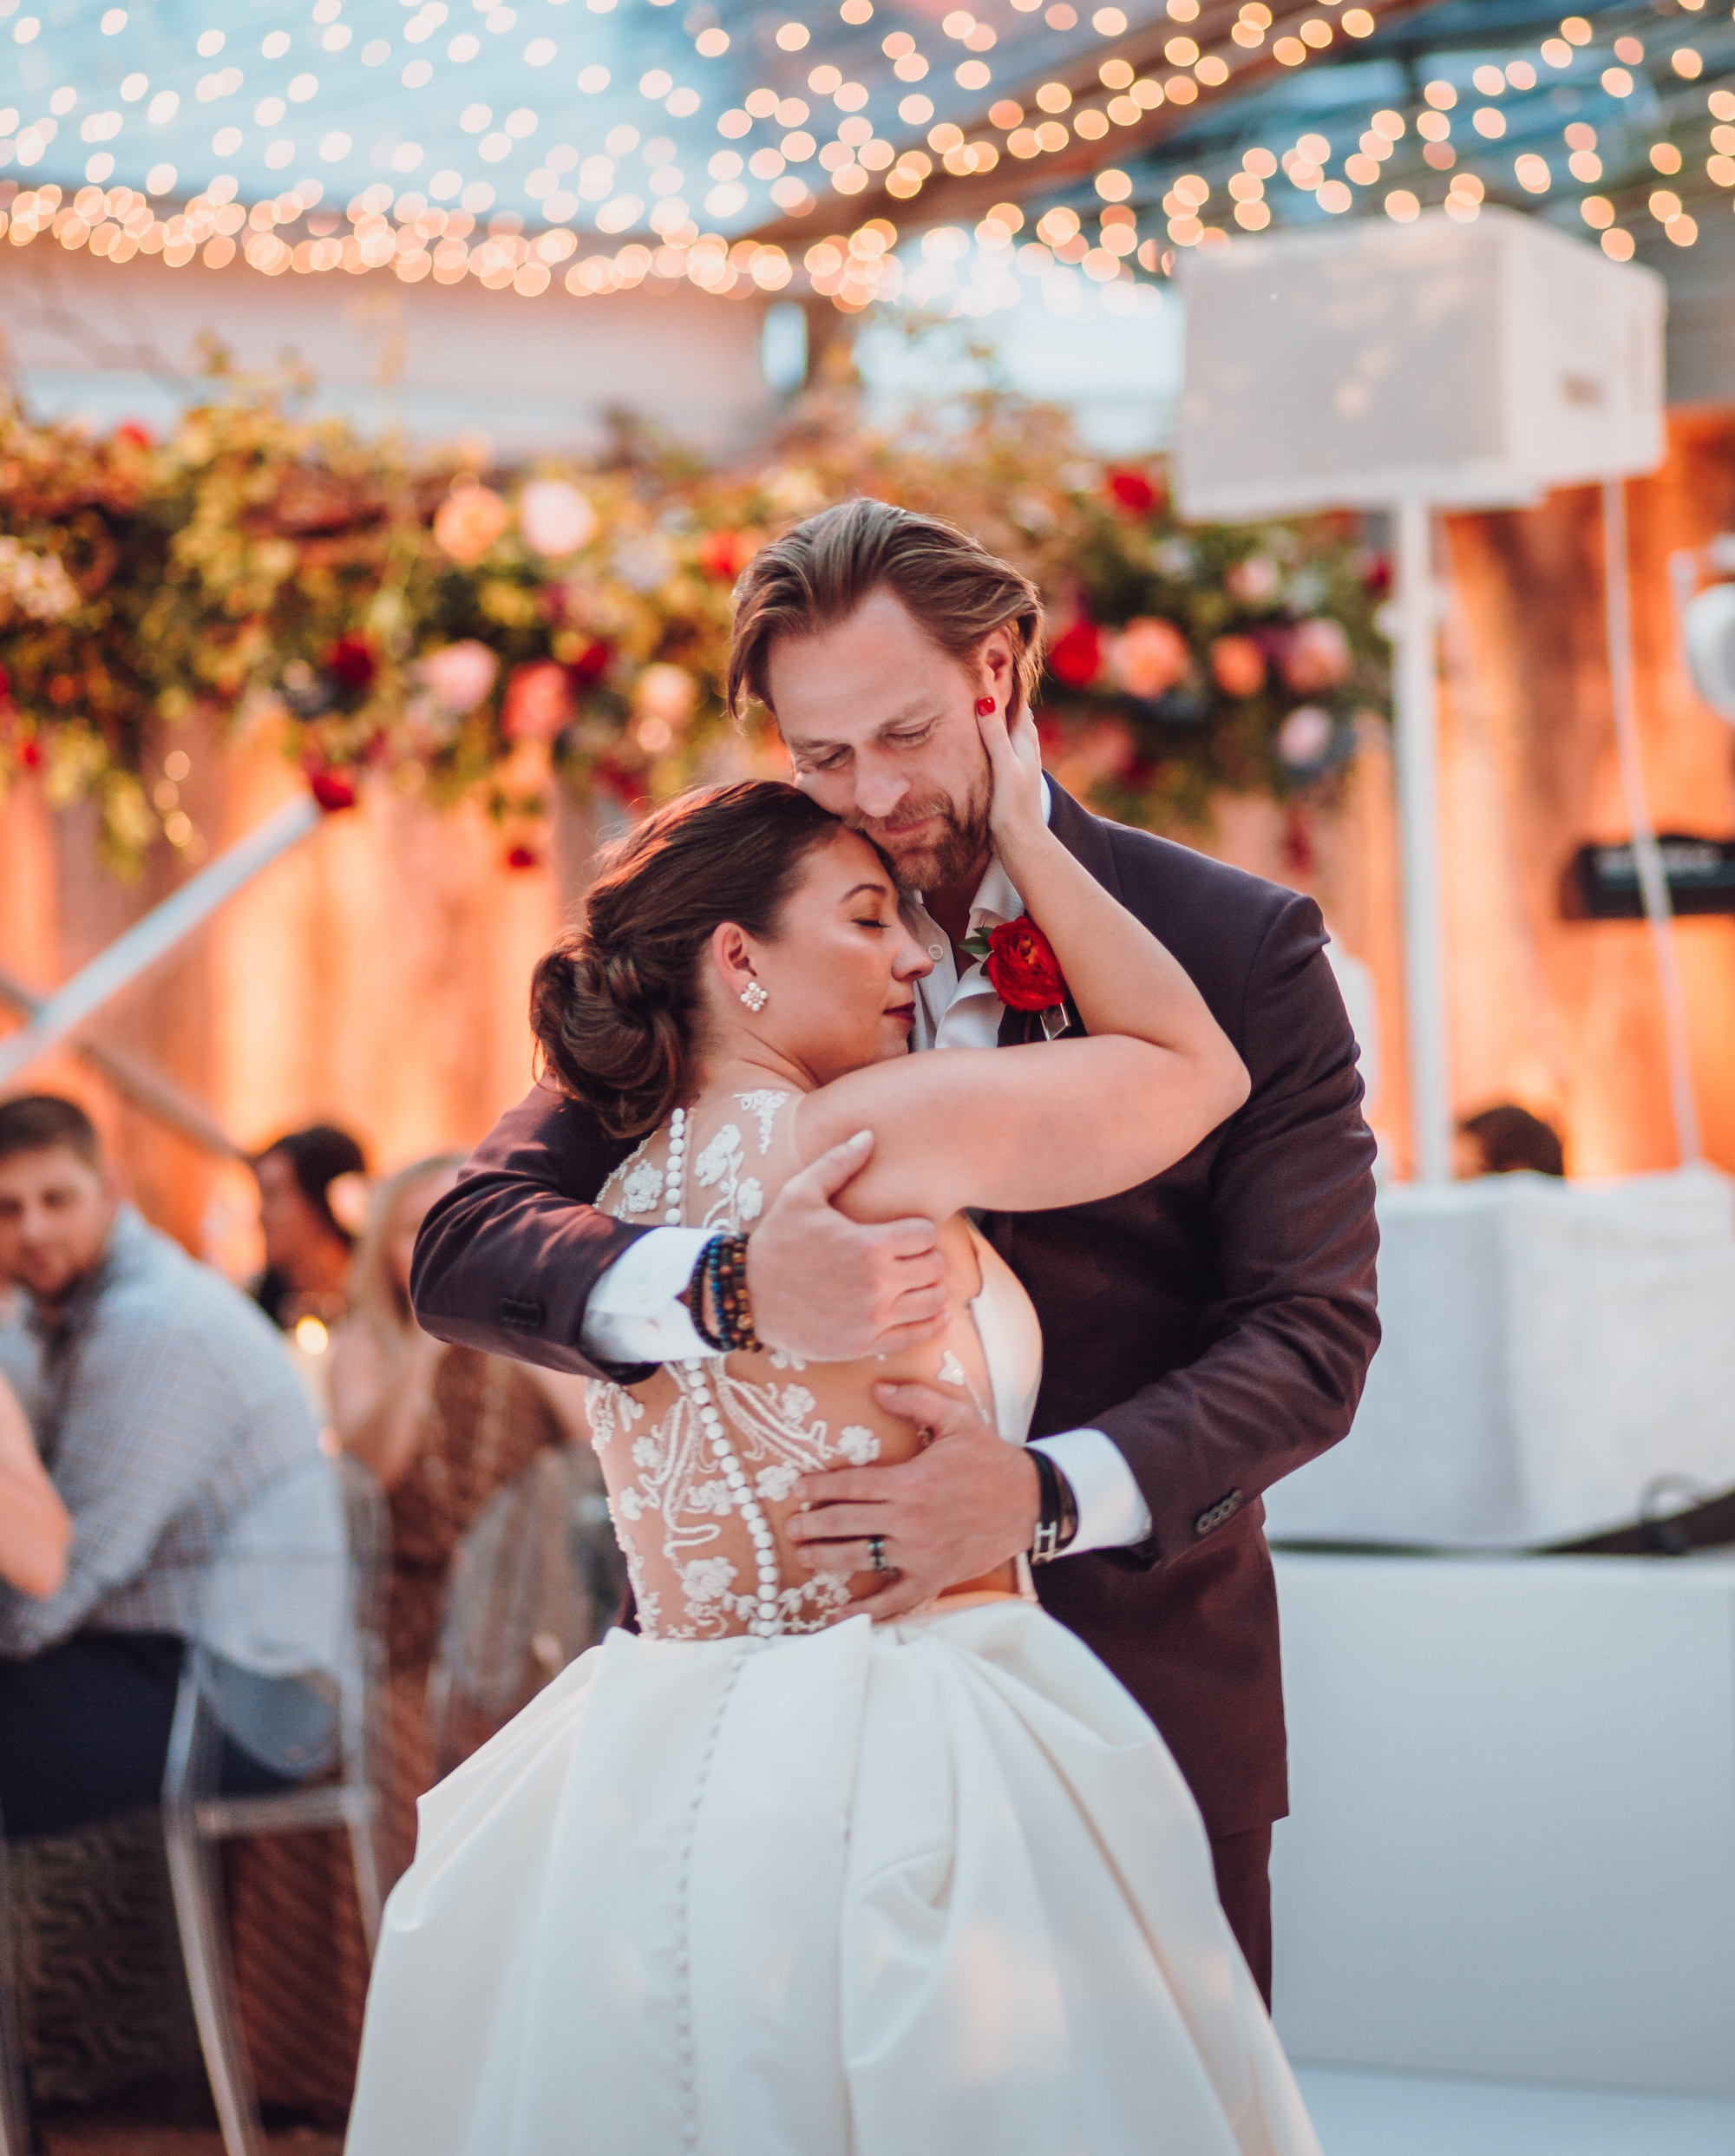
(469, 632)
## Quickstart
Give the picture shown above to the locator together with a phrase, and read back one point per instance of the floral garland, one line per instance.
(476, 633)
(1207, 658)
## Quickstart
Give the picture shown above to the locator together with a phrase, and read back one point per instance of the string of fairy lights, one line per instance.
(447, 228)
(1476, 110)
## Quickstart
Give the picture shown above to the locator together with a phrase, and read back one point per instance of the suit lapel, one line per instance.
(1083, 835)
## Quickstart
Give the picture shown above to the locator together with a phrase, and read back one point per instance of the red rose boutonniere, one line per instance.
(1021, 967)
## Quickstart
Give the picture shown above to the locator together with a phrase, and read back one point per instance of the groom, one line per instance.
(1204, 1334)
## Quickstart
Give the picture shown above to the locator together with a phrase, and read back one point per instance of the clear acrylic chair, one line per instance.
(537, 1579)
(324, 1722)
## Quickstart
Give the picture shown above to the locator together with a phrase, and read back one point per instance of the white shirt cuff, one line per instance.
(1112, 1512)
(634, 1313)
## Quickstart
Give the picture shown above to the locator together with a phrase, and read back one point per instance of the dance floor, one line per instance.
(108, 2135)
(1382, 2114)
(1356, 2114)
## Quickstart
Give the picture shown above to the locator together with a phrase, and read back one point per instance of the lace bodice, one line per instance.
(701, 1460)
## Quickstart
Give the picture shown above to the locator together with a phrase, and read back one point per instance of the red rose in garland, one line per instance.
(1075, 655)
(724, 555)
(335, 790)
(352, 663)
(592, 663)
(1022, 967)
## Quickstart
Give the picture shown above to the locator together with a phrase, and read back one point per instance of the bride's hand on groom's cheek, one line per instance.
(963, 1506)
(1016, 812)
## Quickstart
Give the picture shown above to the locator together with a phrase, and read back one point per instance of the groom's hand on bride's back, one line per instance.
(828, 1289)
(955, 1512)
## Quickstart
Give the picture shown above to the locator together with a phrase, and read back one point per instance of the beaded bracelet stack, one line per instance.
(720, 1278)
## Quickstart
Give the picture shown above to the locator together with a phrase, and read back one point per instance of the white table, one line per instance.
(1558, 1359)
(1512, 1846)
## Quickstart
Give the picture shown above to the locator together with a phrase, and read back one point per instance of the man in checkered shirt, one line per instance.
(182, 1443)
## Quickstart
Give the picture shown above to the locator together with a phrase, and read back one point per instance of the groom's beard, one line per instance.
(950, 839)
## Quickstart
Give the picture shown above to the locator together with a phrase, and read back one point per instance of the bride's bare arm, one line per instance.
(1120, 977)
(1017, 1129)
(1058, 1123)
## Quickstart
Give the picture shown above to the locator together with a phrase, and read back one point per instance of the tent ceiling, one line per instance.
(1269, 106)
(633, 120)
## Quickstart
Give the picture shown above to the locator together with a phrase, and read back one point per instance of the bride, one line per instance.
(766, 1878)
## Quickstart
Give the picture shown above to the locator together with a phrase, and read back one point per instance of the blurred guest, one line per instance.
(33, 1526)
(308, 1245)
(1507, 1140)
(445, 1429)
(164, 1408)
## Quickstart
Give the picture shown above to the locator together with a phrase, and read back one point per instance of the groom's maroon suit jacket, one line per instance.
(1217, 1321)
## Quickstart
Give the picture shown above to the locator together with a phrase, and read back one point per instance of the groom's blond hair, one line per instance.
(816, 575)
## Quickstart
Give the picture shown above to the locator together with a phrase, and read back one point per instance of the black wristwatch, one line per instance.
(1058, 1523)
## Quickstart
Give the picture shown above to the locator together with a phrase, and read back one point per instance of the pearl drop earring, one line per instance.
(755, 997)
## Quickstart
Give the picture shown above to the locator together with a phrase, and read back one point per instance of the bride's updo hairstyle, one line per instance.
(615, 1005)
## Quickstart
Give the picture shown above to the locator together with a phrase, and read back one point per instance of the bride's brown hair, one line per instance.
(615, 1005)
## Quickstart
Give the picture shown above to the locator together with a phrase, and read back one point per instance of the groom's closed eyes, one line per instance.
(905, 730)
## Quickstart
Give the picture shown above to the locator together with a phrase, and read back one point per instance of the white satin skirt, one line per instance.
(933, 1888)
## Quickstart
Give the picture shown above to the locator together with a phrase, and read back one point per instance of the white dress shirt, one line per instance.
(635, 1313)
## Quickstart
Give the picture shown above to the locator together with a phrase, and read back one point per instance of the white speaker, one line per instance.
(1708, 632)
(1366, 363)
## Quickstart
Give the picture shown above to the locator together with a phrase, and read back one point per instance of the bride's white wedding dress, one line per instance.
(928, 1888)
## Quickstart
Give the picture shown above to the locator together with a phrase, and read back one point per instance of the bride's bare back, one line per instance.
(702, 1459)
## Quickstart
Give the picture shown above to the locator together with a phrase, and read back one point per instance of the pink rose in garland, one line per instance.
(1305, 739)
(555, 519)
(458, 676)
(1238, 665)
(539, 702)
(1022, 967)
(1256, 581)
(664, 703)
(1315, 656)
(468, 521)
(1150, 658)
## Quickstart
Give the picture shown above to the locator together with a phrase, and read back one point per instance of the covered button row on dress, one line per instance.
(677, 1152)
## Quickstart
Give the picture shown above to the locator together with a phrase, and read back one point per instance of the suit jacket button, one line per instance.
(1213, 1516)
